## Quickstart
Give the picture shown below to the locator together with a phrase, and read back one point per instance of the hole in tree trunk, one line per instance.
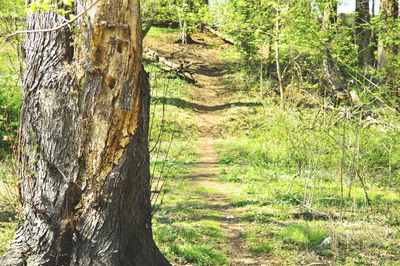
(69, 48)
(119, 47)
(111, 82)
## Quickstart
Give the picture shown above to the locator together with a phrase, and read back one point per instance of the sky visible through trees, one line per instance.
(346, 6)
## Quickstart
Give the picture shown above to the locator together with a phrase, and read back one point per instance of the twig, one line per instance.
(312, 209)
(55, 28)
(364, 187)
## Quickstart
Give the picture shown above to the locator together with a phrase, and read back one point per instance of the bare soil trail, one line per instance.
(211, 102)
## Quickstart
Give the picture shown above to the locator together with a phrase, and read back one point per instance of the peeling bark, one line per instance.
(83, 154)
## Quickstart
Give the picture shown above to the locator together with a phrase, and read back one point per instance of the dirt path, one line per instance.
(206, 175)
(212, 101)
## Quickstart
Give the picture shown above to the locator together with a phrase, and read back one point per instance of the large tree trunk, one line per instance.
(363, 34)
(83, 157)
(389, 12)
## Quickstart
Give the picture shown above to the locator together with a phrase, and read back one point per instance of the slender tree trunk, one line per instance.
(363, 34)
(389, 12)
(83, 156)
(184, 33)
(183, 24)
(331, 75)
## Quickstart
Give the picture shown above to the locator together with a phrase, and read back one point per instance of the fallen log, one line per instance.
(181, 70)
(225, 39)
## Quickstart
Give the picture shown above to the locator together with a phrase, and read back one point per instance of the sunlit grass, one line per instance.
(7, 231)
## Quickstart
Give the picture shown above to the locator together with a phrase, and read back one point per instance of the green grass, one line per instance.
(7, 231)
(267, 150)
(160, 33)
(10, 97)
(173, 133)
(190, 233)
(274, 145)
(199, 254)
(303, 235)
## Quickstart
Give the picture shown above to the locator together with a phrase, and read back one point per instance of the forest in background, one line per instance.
(329, 90)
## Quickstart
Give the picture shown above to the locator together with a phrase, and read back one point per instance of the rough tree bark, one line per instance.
(363, 34)
(83, 156)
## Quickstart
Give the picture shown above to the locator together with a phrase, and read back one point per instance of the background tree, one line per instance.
(160, 12)
(389, 13)
(187, 14)
(330, 70)
(388, 58)
(83, 149)
(363, 33)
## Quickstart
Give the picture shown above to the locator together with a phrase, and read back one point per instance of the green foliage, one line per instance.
(304, 43)
(11, 8)
(64, 7)
(158, 10)
(10, 98)
(188, 13)
(248, 22)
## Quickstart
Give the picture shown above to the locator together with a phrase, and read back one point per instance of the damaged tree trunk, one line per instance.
(83, 151)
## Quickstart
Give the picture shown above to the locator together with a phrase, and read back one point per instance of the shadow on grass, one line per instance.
(198, 107)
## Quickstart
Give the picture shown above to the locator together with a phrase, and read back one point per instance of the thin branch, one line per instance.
(55, 28)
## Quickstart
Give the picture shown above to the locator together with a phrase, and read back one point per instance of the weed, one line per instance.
(302, 234)
(258, 249)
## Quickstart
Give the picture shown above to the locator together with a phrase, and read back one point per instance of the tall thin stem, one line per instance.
(278, 67)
